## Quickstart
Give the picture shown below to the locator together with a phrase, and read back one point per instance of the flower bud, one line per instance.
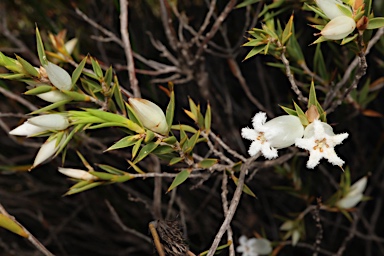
(338, 28)
(150, 115)
(70, 45)
(50, 122)
(46, 151)
(329, 7)
(27, 129)
(354, 195)
(77, 174)
(58, 76)
(53, 96)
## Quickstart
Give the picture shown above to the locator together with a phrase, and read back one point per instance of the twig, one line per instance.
(119, 222)
(232, 208)
(231, 4)
(319, 235)
(157, 190)
(351, 234)
(224, 200)
(291, 78)
(127, 48)
(156, 238)
(17, 98)
(30, 237)
(226, 147)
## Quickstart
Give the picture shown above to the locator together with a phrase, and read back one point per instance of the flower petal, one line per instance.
(314, 159)
(349, 202)
(248, 133)
(358, 187)
(254, 148)
(268, 151)
(258, 121)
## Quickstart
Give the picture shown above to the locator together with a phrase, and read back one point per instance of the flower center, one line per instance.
(261, 138)
(320, 144)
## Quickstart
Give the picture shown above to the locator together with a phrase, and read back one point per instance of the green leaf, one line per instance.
(192, 142)
(246, 3)
(170, 140)
(108, 77)
(256, 50)
(12, 226)
(175, 160)
(375, 23)
(316, 10)
(149, 135)
(289, 111)
(301, 115)
(319, 40)
(208, 118)
(97, 69)
(118, 96)
(193, 107)
(345, 10)
(163, 149)
(39, 90)
(184, 127)
(312, 95)
(170, 108)
(287, 33)
(77, 96)
(50, 107)
(12, 76)
(208, 163)
(136, 168)
(145, 151)
(246, 189)
(319, 64)
(136, 147)
(84, 186)
(124, 142)
(111, 169)
(348, 39)
(40, 49)
(180, 178)
(28, 67)
(102, 175)
(294, 49)
(77, 72)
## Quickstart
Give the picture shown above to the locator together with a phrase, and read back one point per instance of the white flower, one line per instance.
(47, 150)
(77, 174)
(330, 8)
(354, 195)
(53, 96)
(320, 141)
(70, 45)
(150, 115)
(267, 137)
(338, 28)
(40, 124)
(58, 76)
(254, 246)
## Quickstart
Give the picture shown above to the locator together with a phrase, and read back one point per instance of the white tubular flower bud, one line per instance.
(53, 96)
(70, 45)
(58, 76)
(338, 28)
(329, 7)
(47, 150)
(150, 115)
(27, 129)
(77, 174)
(50, 122)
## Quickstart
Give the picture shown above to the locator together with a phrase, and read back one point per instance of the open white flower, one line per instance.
(354, 195)
(150, 115)
(320, 141)
(267, 137)
(77, 174)
(254, 246)
(40, 124)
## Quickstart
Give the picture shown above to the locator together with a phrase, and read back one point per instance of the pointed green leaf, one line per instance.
(312, 95)
(12, 76)
(208, 163)
(83, 188)
(175, 160)
(118, 96)
(208, 118)
(39, 90)
(289, 111)
(348, 39)
(102, 175)
(77, 96)
(180, 178)
(287, 33)
(170, 108)
(124, 142)
(315, 10)
(50, 107)
(145, 151)
(319, 40)
(111, 169)
(40, 49)
(170, 140)
(375, 23)
(28, 67)
(136, 147)
(77, 72)
(184, 127)
(294, 49)
(136, 168)
(301, 115)
(163, 149)
(246, 3)
(97, 69)
(319, 64)
(192, 142)
(108, 77)
(246, 189)
(149, 135)
(256, 50)
(12, 226)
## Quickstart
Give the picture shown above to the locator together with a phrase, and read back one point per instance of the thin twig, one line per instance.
(224, 200)
(127, 48)
(233, 206)
(30, 237)
(226, 147)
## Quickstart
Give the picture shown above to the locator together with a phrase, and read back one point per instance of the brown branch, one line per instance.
(127, 48)
(233, 206)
